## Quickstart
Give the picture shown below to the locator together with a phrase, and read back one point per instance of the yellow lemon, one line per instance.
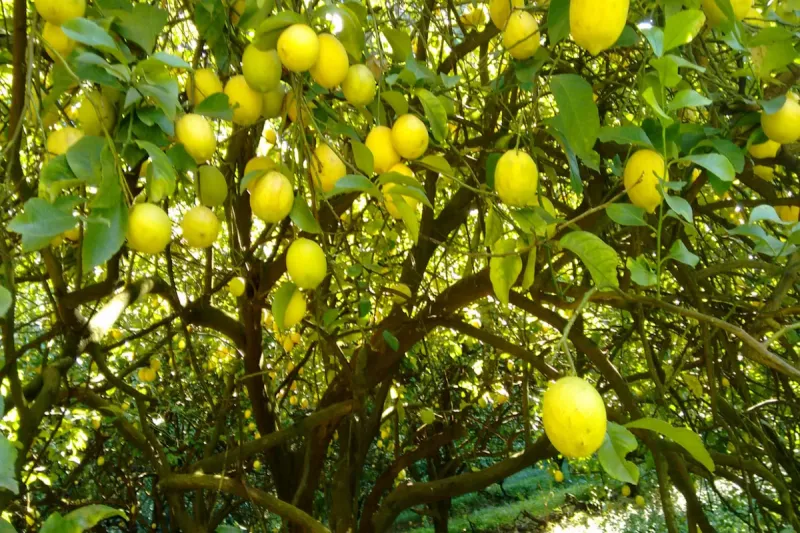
(558, 475)
(59, 11)
(521, 36)
(246, 102)
(306, 263)
(261, 69)
(783, 126)
(403, 289)
(410, 136)
(56, 41)
(273, 102)
(473, 18)
(765, 150)
(200, 227)
(295, 310)
(298, 48)
(236, 287)
(203, 84)
(296, 338)
(197, 136)
(149, 229)
(626, 491)
(96, 423)
(499, 11)
(247, 413)
(715, 15)
(272, 197)
(389, 199)
(96, 114)
(597, 26)
(73, 234)
(256, 465)
(574, 417)
(642, 173)
(101, 461)
(379, 142)
(210, 185)
(270, 136)
(788, 213)
(155, 364)
(260, 163)
(725, 382)
(60, 140)
(541, 227)
(640, 500)
(293, 108)
(359, 85)
(331, 67)
(764, 172)
(326, 167)
(147, 374)
(515, 178)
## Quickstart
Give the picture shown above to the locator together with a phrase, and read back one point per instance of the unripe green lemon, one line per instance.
(295, 311)
(298, 48)
(261, 69)
(59, 11)
(765, 150)
(236, 287)
(210, 185)
(359, 85)
(389, 199)
(515, 178)
(96, 114)
(246, 102)
(200, 227)
(597, 26)
(197, 136)
(379, 142)
(410, 137)
(326, 167)
(642, 173)
(60, 140)
(149, 229)
(331, 67)
(306, 263)
(272, 197)
(499, 11)
(273, 102)
(574, 417)
(56, 41)
(640, 500)
(202, 84)
(783, 126)
(521, 36)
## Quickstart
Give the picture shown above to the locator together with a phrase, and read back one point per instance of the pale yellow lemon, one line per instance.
(389, 199)
(262, 163)
(59, 11)
(574, 417)
(765, 150)
(202, 84)
(272, 197)
(236, 287)
(379, 142)
(410, 136)
(359, 86)
(96, 114)
(642, 173)
(715, 16)
(332, 64)
(306, 263)
(521, 36)
(298, 47)
(210, 186)
(200, 227)
(295, 311)
(197, 136)
(499, 11)
(516, 177)
(273, 102)
(788, 213)
(596, 26)
(56, 41)
(60, 140)
(246, 102)
(149, 229)
(326, 167)
(261, 68)
(783, 126)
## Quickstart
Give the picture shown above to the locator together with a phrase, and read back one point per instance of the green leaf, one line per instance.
(615, 464)
(434, 112)
(766, 212)
(90, 515)
(680, 206)
(504, 271)
(91, 34)
(437, 163)
(105, 234)
(494, 228)
(364, 158)
(56, 523)
(649, 96)
(5, 527)
(529, 275)
(8, 459)
(626, 214)
(354, 182)
(281, 300)
(578, 118)
(625, 135)
(56, 175)
(601, 259)
(684, 437)
(716, 163)
(39, 222)
(655, 36)
(352, 33)
(412, 190)
(302, 216)
(5, 304)
(84, 158)
(215, 106)
(162, 182)
(391, 340)
(688, 98)
(141, 25)
(680, 253)
(408, 214)
(641, 273)
(396, 100)
(558, 20)
(682, 27)
(165, 95)
(171, 60)
(400, 43)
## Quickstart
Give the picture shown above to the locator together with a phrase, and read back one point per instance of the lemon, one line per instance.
(410, 136)
(155, 364)
(261, 69)
(521, 36)
(558, 475)
(298, 48)
(715, 15)
(147, 374)
(626, 491)
(473, 18)
(73, 234)
(389, 198)
(197, 137)
(149, 229)
(379, 142)
(574, 417)
(237, 10)
(270, 136)
(101, 461)
(257, 163)
(499, 11)
(296, 338)
(331, 67)
(597, 26)
(403, 289)
(56, 41)
(200, 227)
(256, 465)
(515, 178)
(359, 85)
(540, 225)
(725, 382)
(295, 310)
(764, 150)
(273, 102)
(272, 198)
(764, 172)
(783, 126)
(788, 213)
(60, 140)
(96, 423)
(211, 187)
(96, 113)
(246, 102)
(306, 264)
(293, 108)
(326, 167)
(59, 11)
(236, 287)
(203, 84)
(640, 501)
(642, 173)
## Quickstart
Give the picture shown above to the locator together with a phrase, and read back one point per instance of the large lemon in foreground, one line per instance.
(261, 69)
(326, 167)
(246, 102)
(331, 68)
(521, 36)
(390, 200)
(499, 11)
(272, 197)
(203, 84)
(60, 140)
(574, 417)
(149, 229)
(273, 102)
(96, 114)
(210, 185)
(596, 26)
(305, 262)
(58, 44)
(783, 126)
(764, 150)
(359, 85)
(515, 178)
(384, 156)
(298, 48)
(715, 15)
(59, 11)
(197, 137)
(410, 136)
(642, 173)
(200, 227)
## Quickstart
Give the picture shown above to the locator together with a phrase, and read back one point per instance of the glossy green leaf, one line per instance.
(684, 437)
(39, 222)
(105, 233)
(578, 118)
(688, 98)
(626, 214)
(679, 252)
(83, 158)
(391, 340)
(302, 216)
(766, 212)
(352, 183)
(614, 463)
(438, 164)
(5, 527)
(409, 216)
(90, 515)
(599, 258)
(363, 156)
(434, 112)
(641, 272)
(680, 206)
(529, 275)
(625, 135)
(215, 106)
(682, 27)
(396, 100)
(558, 20)
(5, 304)
(161, 177)
(8, 458)
(88, 32)
(400, 43)
(505, 269)
(141, 25)
(351, 32)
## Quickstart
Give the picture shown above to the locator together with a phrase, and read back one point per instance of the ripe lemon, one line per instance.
(764, 172)
(60, 140)
(261, 69)
(389, 198)
(515, 178)
(788, 213)
(574, 417)
(783, 126)
(725, 382)
(147, 374)
(715, 15)
(155, 364)
(359, 85)
(96, 113)
(626, 491)
(293, 108)
(272, 197)
(597, 26)
(295, 311)
(540, 225)
(558, 475)
(101, 461)
(59, 11)
(473, 18)
(149, 229)
(256, 465)
(56, 41)
(246, 102)
(236, 287)
(203, 84)
(270, 136)
(73, 234)
(379, 142)
(306, 264)
(642, 173)
(210, 185)
(499, 11)
(332, 65)
(521, 36)
(640, 500)
(262, 163)
(403, 289)
(298, 48)
(273, 102)
(197, 137)
(764, 150)
(326, 167)
(410, 136)
(200, 227)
